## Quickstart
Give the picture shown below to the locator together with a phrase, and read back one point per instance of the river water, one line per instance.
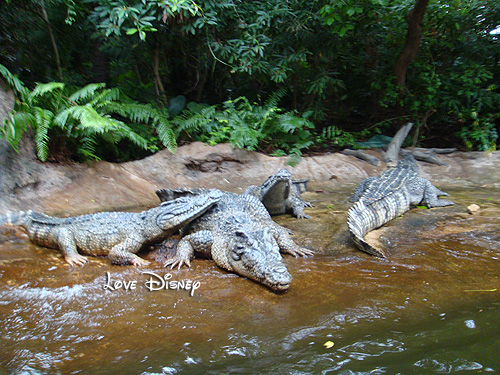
(432, 307)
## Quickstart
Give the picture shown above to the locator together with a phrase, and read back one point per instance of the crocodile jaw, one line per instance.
(173, 215)
(252, 254)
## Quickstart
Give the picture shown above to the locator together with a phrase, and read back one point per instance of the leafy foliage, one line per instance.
(246, 125)
(334, 59)
(82, 117)
(337, 137)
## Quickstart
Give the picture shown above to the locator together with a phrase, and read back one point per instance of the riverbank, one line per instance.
(68, 189)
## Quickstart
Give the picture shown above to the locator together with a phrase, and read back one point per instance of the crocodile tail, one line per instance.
(360, 220)
(15, 218)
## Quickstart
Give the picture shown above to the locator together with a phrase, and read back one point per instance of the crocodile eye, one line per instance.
(162, 219)
(241, 234)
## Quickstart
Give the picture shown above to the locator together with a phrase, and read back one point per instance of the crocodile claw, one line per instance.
(76, 260)
(301, 251)
(303, 216)
(177, 261)
(139, 262)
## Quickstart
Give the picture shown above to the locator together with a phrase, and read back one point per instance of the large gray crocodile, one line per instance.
(280, 194)
(240, 236)
(378, 200)
(119, 235)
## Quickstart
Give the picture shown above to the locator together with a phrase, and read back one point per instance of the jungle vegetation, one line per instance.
(120, 79)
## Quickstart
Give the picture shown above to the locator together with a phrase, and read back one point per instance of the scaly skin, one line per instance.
(280, 194)
(240, 236)
(378, 200)
(117, 235)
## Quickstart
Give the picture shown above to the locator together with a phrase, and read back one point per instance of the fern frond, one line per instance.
(198, 118)
(275, 98)
(87, 92)
(14, 82)
(166, 135)
(43, 119)
(43, 88)
(133, 111)
(132, 136)
(14, 126)
(104, 98)
(87, 117)
(91, 122)
(87, 148)
(61, 119)
(245, 137)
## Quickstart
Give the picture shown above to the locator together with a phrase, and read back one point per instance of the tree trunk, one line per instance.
(100, 71)
(160, 90)
(413, 39)
(53, 41)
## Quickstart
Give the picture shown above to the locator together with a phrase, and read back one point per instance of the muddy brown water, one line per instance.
(432, 307)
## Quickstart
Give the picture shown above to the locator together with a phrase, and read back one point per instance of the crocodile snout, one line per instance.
(279, 278)
(279, 269)
(215, 194)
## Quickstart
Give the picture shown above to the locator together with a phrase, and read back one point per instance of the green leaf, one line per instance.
(14, 82)
(86, 92)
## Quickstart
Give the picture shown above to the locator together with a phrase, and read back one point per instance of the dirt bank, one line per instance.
(77, 188)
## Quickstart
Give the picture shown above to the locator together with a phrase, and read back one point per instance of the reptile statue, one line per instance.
(280, 194)
(380, 199)
(117, 235)
(240, 236)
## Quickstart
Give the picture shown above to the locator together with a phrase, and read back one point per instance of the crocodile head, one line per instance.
(408, 162)
(275, 190)
(175, 214)
(281, 180)
(252, 253)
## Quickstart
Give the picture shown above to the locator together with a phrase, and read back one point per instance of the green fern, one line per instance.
(87, 148)
(246, 125)
(84, 116)
(337, 137)
(166, 135)
(20, 90)
(43, 120)
(39, 95)
(102, 99)
(275, 98)
(14, 126)
(86, 93)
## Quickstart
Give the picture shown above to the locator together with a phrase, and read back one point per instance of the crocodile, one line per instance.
(117, 235)
(239, 234)
(378, 200)
(280, 194)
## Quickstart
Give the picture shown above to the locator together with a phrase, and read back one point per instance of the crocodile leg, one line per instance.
(124, 253)
(298, 211)
(430, 194)
(297, 204)
(440, 193)
(433, 201)
(67, 244)
(200, 241)
(286, 244)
